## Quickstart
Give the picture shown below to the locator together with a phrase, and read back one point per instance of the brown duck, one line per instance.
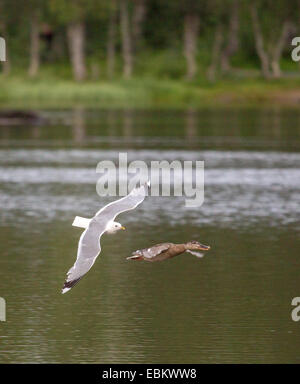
(164, 251)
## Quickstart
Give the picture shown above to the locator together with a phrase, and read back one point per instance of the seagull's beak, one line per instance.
(123, 228)
(204, 247)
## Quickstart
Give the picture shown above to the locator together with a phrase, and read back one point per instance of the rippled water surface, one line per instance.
(233, 305)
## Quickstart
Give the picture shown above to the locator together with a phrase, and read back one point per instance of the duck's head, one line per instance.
(196, 246)
(113, 227)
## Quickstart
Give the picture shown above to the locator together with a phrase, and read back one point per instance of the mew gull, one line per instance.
(89, 242)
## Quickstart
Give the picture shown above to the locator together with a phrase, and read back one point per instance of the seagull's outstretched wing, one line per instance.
(89, 242)
(131, 201)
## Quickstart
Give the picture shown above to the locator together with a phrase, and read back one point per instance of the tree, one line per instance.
(190, 34)
(111, 38)
(278, 48)
(73, 14)
(131, 32)
(270, 34)
(259, 42)
(217, 12)
(76, 41)
(138, 17)
(34, 56)
(126, 39)
(233, 40)
(191, 26)
(217, 45)
(4, 16)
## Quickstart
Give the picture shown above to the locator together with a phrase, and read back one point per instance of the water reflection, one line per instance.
(223, 129)
(231, 306)
(78, 125)
(127, 123)
(191, 124)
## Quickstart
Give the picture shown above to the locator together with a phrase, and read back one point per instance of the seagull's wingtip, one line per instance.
(65, 290)
(69, 284)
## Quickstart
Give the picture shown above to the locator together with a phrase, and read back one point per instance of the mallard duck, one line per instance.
(164, 251)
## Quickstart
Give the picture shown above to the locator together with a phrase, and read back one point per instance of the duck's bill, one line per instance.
(204, 247)
(123, 228)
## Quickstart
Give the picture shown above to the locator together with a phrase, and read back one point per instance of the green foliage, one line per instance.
(160, 55)
(50, 90)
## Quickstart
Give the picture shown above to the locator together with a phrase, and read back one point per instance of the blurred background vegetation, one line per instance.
(149, 52)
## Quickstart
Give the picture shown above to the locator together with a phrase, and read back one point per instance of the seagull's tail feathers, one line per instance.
(69, 284)
(81, 222)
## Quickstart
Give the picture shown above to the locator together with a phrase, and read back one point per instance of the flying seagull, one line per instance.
(89, 242)
(165, 251)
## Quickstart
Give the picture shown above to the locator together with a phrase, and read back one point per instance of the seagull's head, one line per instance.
(113, 227)
(196, 246)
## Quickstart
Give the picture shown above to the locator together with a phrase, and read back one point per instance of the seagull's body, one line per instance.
(165, 251)
(103, 222)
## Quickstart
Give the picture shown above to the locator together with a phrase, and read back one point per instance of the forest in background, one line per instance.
(140, 49)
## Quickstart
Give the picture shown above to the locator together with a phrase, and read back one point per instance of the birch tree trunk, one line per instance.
(191, 26)
(278, 48)
(126, 40)
(76, 40)
(6, 66)
(111, 40)
(139, 14)
(259, 42)
(233, 40)
(34, 63)
(212, 70)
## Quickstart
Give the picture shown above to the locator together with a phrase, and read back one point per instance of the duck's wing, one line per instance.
(89, 242)
(154, 251)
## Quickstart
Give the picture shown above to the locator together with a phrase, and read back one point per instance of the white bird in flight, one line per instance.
(89, 242)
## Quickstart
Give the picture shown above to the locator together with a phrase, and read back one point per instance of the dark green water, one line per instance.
(232, 306)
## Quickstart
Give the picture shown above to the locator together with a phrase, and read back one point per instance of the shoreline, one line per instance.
(147, 93)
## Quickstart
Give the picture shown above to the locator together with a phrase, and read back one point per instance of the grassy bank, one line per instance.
(21, 92)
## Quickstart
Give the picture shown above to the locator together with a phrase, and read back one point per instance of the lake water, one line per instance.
(232, 306)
